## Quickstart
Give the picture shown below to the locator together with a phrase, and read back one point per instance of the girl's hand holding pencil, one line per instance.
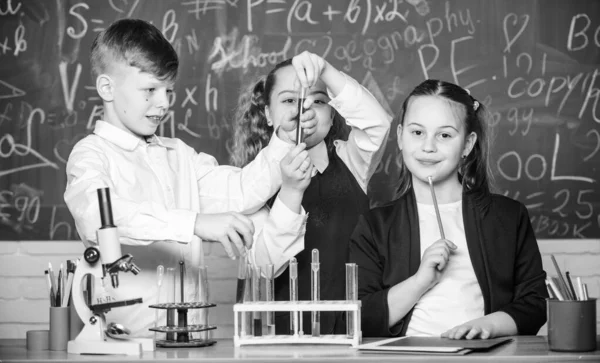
(434, 260)
(436, 257)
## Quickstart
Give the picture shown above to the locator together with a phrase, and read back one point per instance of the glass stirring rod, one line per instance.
(435, 205)
(315, 292)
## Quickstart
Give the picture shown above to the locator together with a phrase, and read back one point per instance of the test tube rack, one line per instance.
(182, 329)
(352, 307)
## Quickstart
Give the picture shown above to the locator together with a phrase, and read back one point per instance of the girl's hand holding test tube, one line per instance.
(296, 172)
(308, 122)
(296, 169)
(309, 68)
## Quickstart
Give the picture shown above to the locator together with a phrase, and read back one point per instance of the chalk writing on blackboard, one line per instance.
(535, 67)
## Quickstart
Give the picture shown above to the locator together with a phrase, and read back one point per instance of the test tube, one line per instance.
(315, 293)
(170, 298)
(256, 317)
(300, 103)
(247, 317)
(182, 317)
(351, 295)
(294, 328)
(241, 288)
(160, 274)
(182, 281)
(270, 296)
(241, 279)
(203, 297)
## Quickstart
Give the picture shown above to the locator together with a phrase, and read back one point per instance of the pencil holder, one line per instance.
(59, 327)
(572, 325)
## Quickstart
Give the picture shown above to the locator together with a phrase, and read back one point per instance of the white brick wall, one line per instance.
(23, 292)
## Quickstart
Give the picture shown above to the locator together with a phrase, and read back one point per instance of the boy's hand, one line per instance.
(434, 260)
(296, 169)
(234, 230)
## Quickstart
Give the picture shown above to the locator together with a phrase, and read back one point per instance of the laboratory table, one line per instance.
(521, 349)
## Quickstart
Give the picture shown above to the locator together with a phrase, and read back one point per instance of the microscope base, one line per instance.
(126, 347)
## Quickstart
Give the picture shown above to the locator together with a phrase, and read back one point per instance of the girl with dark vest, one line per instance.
(344, 129)
(464, 266)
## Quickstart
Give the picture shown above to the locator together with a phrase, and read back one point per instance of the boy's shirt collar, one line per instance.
(319, 157)
(126, 140)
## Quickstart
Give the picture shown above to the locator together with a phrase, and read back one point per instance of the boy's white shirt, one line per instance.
(361, 153)
(157, 188)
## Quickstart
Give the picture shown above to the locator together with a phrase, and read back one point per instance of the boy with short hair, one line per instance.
(160, 187)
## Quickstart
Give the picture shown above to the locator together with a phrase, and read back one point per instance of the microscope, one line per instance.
(100, 262)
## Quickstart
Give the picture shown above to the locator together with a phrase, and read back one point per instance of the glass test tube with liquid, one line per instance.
(256, 315)
(160, 274)
(300, 104)
(241, 279)
(203, 297)
(247, 317)
(351, 295)
(270, 296)
(182, 318)
(294, 319)
(315, 293)
(241, 289)
(170, 286)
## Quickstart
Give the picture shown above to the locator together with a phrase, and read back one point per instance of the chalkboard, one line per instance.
(534, 63)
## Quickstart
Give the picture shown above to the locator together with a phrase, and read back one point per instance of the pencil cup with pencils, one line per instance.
(64, 322)
(571, 313)
(59, 327)
(572, 325)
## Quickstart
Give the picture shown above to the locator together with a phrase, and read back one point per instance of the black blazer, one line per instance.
(502, 246)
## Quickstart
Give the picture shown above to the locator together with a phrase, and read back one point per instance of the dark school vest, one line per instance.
(334, 200)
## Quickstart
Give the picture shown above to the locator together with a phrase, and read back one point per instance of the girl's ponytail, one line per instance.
(251, 131)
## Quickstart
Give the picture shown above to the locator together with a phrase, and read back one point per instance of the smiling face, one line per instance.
(283, 106)
(433, 139)
(135, 101)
